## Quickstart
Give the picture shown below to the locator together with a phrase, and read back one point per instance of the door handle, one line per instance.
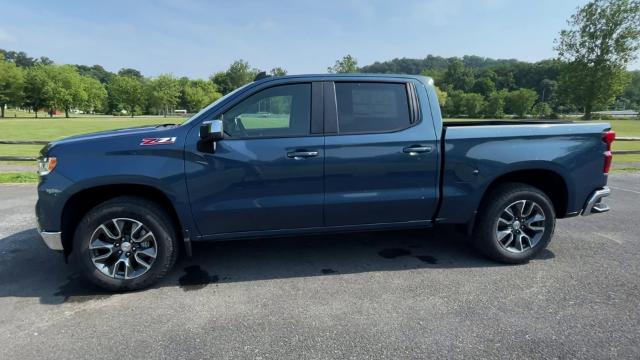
(297, 155)
(415, 149)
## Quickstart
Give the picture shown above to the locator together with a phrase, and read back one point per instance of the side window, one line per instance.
(372, 107)
(278, 111)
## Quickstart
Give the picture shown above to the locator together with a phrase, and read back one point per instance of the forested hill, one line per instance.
(474, 73)
(431, 63)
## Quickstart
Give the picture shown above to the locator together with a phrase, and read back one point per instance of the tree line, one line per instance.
(40, 84)
(588, 74)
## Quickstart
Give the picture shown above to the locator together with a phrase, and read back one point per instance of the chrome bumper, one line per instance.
(52, 239)
(594, 204)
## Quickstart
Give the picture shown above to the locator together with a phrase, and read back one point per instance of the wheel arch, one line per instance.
(78, 204)
(550, 182)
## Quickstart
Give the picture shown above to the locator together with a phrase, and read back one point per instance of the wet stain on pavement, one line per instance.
(328, 271)
(394, 253)
(427, 259)
(195, 278)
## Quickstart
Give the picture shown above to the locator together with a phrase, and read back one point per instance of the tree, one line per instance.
(198, 94)
(127, 92)
(278, 71)
(548, 89)
(458, 76)
(35, 82)
(165, 92)
(495, 104)
(505, 78)
(632, 92)
(11, 84)
(96, 94)
(130, 72)
(44, 61)
(453, 106)
(96, 71)
(238, 74)
(20, 58)
(64, 89)
(542, 110)
(484, 86)
(442, 97)
(521, 101)
(473, 104)
(603, 39)
(347, 64)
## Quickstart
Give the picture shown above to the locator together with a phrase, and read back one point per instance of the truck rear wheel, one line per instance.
(125, 243)
(515, 222)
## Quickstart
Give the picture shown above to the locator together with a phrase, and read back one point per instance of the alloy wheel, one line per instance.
(520, 226)
(123, 248)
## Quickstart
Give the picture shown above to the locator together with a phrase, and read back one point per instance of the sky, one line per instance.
(197, 38)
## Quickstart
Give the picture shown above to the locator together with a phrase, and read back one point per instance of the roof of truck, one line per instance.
(363, 76)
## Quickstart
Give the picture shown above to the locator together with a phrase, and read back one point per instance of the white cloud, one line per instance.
(5, 36)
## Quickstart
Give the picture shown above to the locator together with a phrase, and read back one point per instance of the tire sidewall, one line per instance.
(496, 209)
(149, 217)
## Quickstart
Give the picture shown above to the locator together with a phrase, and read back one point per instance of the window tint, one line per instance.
(372, 107)
(278, 111)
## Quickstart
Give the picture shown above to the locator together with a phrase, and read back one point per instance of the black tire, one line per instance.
(152, 216)
(485, 235)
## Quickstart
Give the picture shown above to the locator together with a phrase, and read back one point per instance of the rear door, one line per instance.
(380, 154)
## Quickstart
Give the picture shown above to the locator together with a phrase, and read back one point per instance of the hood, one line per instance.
(141, 132)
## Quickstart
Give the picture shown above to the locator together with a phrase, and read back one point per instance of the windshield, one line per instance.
(214, 104)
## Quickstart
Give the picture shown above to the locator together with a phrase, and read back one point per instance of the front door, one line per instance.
(267, 173)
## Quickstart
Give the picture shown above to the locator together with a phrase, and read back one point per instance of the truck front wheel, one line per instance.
(125, 243)
(515, 222)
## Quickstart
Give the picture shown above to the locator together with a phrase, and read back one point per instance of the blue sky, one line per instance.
(197, 38)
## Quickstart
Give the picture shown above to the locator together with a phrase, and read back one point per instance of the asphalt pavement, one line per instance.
(394, 295)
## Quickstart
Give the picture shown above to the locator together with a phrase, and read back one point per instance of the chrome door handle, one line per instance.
(297, 155)
(415, 149)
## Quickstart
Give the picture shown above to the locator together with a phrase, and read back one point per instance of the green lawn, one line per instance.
(45, 128)
(625, 128)
(20, 150)
(18, 177)
(255, 121)
(60, 127)
(55, 128)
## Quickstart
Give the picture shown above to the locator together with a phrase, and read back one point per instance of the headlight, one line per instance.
(46, 165)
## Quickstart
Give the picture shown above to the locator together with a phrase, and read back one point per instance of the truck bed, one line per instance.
(474, 153)
(457, 123)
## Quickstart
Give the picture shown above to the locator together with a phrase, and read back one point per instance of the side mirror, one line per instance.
(212, 130)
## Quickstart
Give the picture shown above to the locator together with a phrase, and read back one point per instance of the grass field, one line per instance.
(58, 127)
(18, 177)
(48, 129)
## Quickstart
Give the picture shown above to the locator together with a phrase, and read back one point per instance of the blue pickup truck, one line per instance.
(313, 154)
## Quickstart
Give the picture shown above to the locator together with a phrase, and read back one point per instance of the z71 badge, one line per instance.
(158, 141)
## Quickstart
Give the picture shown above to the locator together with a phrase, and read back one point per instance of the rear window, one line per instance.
(372, 107)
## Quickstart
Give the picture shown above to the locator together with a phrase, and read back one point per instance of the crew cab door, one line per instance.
(267, 172)
(381, 158)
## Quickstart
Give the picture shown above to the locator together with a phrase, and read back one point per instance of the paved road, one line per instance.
(387, 295)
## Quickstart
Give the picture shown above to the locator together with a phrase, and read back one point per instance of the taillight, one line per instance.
(608, 139)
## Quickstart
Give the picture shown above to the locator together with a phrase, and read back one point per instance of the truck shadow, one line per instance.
(29, 269)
